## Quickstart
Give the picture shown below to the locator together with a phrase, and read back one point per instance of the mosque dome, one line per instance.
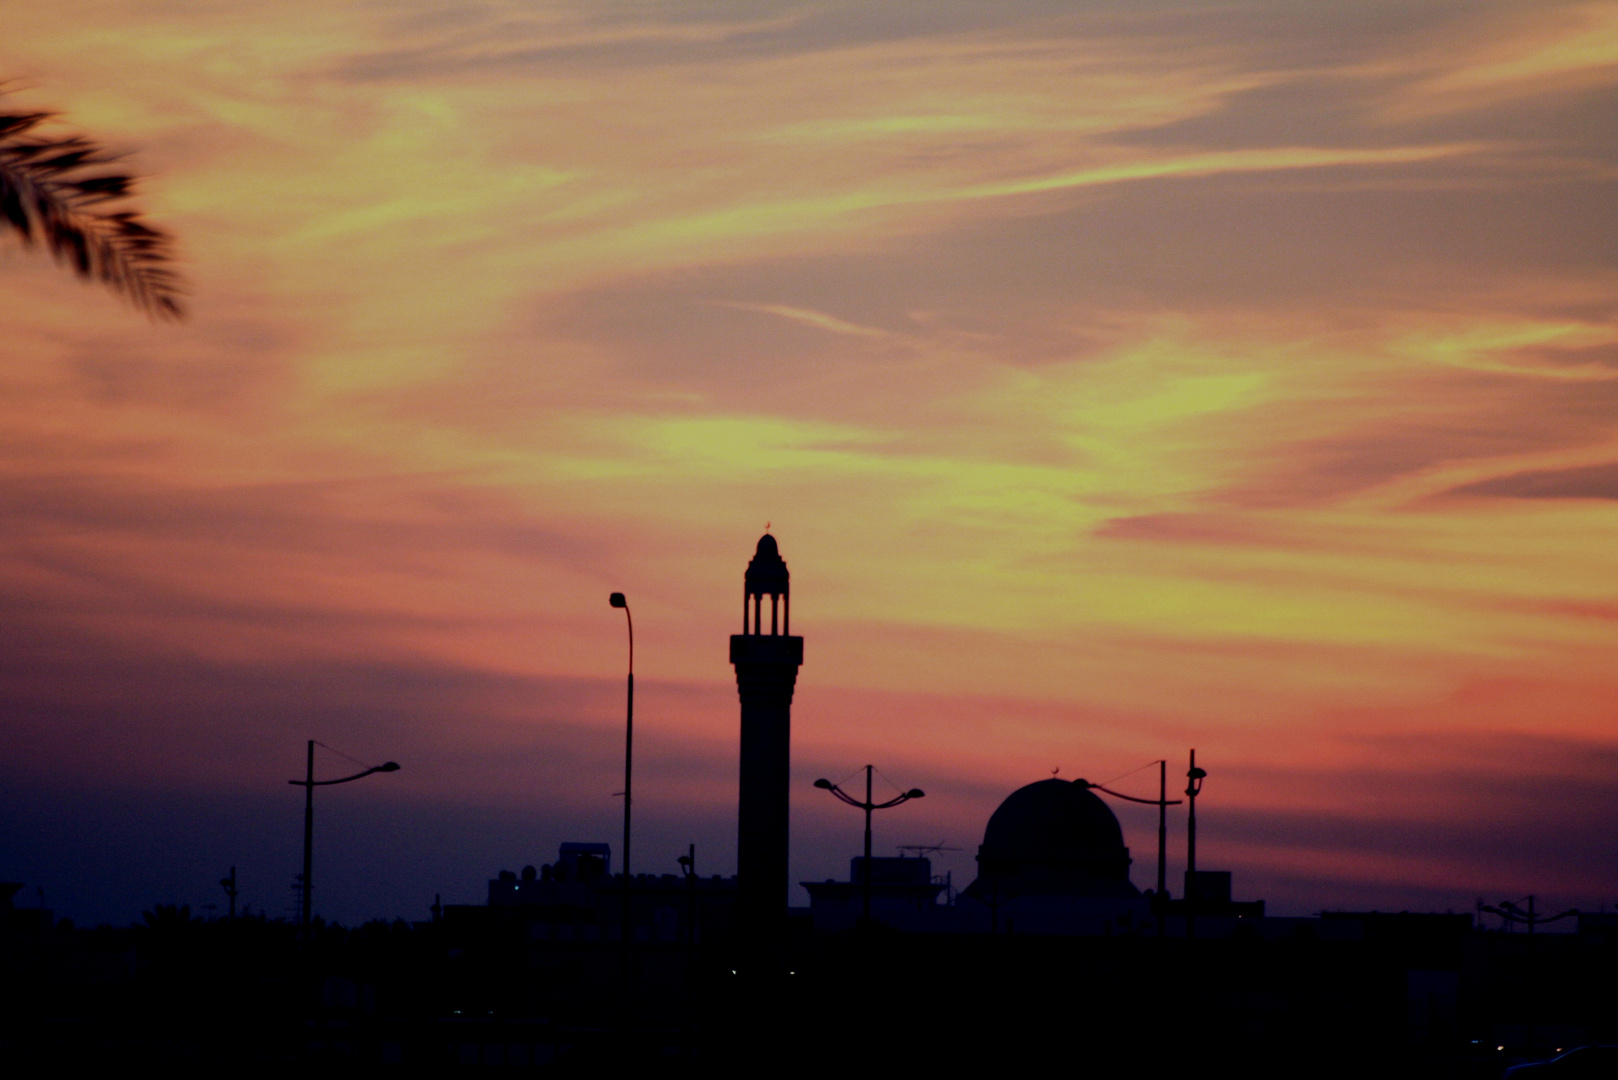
(1053, 837)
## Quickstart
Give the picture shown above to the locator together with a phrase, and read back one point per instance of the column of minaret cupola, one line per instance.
(766, 657)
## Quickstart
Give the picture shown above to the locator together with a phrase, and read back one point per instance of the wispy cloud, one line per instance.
(818, 320)
(1559, 49)
(1114, 378)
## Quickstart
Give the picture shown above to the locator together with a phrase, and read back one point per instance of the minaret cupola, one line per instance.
(767, 576)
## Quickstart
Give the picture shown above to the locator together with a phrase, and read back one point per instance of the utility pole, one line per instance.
(1162, 898)
(1162, 829)
(308, 837)
(309, 783)
(1162, 802)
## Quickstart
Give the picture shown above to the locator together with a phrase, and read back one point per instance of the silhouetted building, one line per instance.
(1207, 896)
(766, 672)
(550, 937)
(904, 895)
(578, 866)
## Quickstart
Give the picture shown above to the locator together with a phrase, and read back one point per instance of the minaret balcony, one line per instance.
(766, 649)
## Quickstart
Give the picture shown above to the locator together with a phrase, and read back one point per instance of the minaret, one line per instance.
(766, 672)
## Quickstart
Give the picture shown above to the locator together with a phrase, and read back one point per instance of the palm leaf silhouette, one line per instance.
(62, 193)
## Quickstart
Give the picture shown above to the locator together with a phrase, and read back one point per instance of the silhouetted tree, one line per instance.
(61, 192)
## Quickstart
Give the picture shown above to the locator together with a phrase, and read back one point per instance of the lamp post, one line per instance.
(1193, 787)
(1509, 912)
(229, 885)
(868, 806)
(618, 600)
(688, 870)
(309, 783)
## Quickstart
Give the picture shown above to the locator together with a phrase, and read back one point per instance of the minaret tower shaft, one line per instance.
(767, 665)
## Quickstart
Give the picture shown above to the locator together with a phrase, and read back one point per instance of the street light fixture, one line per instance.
(309, 783)
(688, 870)
(1509, 912)
(617, 600)
(1193, 787)
(868, 806)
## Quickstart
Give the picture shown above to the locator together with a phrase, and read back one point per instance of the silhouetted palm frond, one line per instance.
(61, 193)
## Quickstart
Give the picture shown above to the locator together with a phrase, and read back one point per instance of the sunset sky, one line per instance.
(1118, 377)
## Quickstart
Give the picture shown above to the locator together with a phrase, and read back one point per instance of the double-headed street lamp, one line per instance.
(309, 783)
(868, 806)
(1509, 912)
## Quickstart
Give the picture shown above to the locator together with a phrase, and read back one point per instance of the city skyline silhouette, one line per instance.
(1120, 380)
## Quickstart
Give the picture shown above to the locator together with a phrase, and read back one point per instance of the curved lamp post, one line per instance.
(1511, 913)
(309, 783)
(868, 806)
(618, 600)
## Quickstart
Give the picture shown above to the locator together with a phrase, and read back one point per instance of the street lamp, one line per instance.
(309, 783)
(618, 600)
(688, 870)
(1193, 787)
(1511, 913)
(867, 806)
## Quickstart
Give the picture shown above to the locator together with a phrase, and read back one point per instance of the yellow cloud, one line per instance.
(1566, 48)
